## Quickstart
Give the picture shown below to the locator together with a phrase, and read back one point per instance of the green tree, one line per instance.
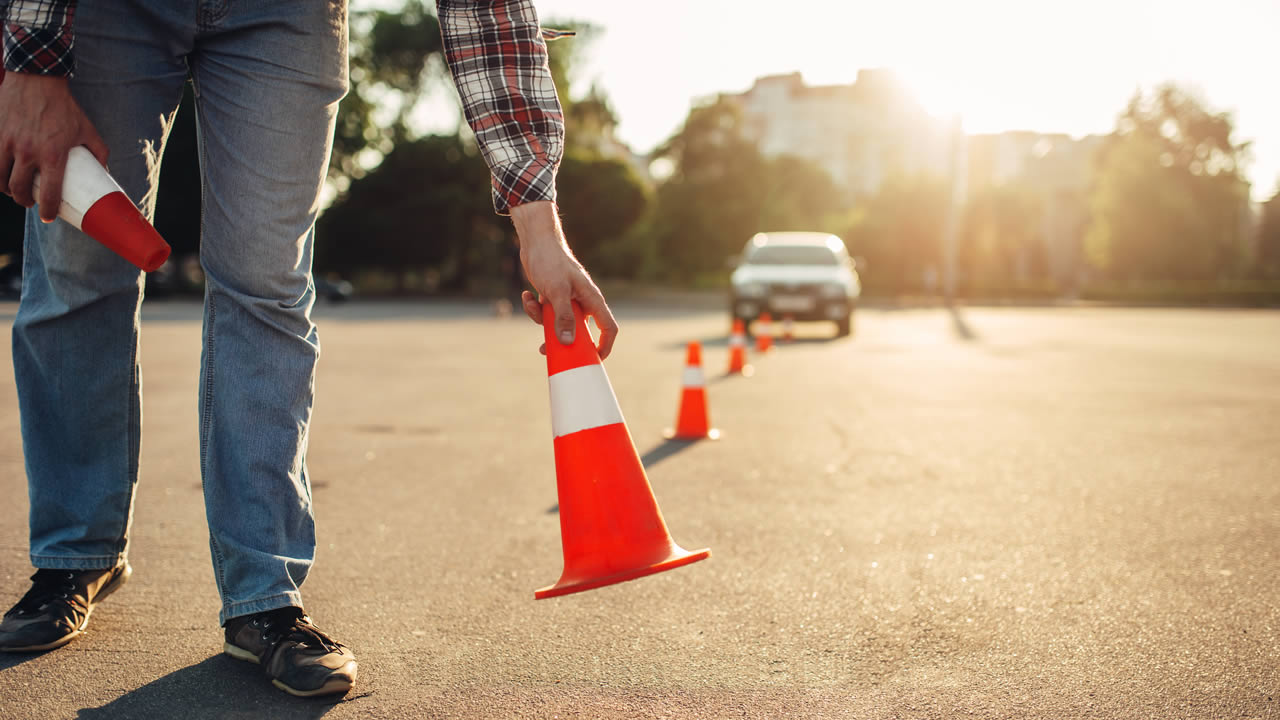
(723, 190)
(1001, 242)
(601, 200)
(898, 231)
(395, 58)
(427, 205)
(1168, 193)
(1269, 237)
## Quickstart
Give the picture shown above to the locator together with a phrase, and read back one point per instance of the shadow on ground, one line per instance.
(962, 328)
(8, 660)
(718, 341)
(218, 687)
(652, 457)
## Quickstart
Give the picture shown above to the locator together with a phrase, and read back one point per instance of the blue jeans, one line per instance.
(267, 76)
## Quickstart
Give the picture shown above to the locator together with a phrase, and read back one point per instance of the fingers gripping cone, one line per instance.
(94, 203)
(764, 333)
(738, 349)
(610, 526)
(693, 422)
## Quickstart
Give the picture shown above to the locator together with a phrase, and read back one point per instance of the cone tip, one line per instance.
(580, 352)
(694, 355)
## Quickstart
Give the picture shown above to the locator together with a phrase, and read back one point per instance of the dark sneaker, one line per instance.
(56, 609)
(298, 658)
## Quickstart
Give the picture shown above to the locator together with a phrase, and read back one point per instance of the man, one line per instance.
(267, 76)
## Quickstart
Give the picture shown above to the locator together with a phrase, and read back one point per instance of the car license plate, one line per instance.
(792, 303)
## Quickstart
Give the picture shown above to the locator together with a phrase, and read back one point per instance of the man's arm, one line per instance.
(39, 120)
(495, 51)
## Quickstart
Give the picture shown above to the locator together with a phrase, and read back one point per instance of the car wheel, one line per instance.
(844, 327)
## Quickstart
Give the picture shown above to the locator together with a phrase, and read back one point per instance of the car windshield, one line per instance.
(792, 255)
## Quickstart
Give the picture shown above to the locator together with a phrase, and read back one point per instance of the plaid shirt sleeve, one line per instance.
(37, 36)
(498, 58)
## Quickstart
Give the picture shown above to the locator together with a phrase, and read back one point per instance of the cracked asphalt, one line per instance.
(1007, 513)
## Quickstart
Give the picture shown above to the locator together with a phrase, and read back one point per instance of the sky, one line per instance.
(1051, 67)
(1001, 64)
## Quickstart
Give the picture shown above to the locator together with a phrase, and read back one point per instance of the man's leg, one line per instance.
(75, 337)
(268, 77)
(75, 342)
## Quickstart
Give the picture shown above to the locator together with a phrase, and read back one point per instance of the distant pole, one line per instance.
(959, 164)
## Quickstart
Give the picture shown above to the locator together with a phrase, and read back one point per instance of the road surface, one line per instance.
(1018, 513)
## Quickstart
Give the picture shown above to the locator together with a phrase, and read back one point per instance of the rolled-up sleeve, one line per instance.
(498, 59)
(38, 37)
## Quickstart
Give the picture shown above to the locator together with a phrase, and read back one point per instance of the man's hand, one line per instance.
(557, 275)
(39, 123)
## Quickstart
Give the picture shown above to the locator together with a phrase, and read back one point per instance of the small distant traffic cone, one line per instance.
(693, 422)
(94, 203)
(738, 348)
(610, 526)
(764, 333)
(788, 328)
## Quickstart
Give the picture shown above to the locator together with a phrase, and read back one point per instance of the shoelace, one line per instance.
(51, 586)
(291, 623)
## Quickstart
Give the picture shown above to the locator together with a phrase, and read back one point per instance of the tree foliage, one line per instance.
(601, 199)
(1168, 193)
(898, 231)
(1001, 241)
(395, 57)
(1269, 237)
(723, 190)
(426, 205)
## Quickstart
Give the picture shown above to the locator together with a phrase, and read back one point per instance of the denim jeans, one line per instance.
(267, 75)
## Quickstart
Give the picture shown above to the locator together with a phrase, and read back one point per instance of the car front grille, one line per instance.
(794, 288)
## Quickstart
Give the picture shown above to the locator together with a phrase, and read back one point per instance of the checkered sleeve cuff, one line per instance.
(496, 53)
(523, 183)
(38, 38)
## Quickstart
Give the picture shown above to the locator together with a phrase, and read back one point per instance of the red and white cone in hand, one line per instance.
(610, 526)
(93, 202)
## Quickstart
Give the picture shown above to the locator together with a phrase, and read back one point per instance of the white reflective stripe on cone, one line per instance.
(736, 340)
(693, 377)
(84, 183)
(581, 399)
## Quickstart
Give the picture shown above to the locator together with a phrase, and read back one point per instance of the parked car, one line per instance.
(806, 275)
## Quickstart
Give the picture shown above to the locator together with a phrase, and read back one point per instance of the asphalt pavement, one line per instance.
(1009, 513)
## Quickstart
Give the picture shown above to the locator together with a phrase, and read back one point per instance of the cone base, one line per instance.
(679, 558)
(712, 434)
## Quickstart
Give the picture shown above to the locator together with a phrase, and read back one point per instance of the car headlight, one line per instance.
(833, 291)
(753, 290)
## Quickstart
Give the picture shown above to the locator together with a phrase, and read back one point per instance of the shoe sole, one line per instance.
(107, 589)
(332, 686)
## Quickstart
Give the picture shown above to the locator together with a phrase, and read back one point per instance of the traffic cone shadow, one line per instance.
(611, 529)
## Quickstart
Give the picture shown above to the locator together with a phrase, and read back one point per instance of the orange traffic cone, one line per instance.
(788, 328)
(692, 422)
(764, 333)
(738, 349)
(610, 526)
